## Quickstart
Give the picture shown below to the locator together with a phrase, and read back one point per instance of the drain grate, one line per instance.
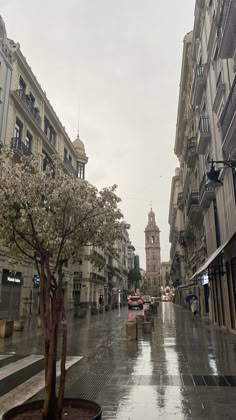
(173, 380)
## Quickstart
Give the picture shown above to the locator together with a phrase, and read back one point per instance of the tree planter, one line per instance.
(6, 328)
(19, 325)
(94, 311)
(74, 409)
(82, 313)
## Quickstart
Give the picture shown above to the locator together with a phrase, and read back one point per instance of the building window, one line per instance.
(31, 99)
(80, 168)
(45, 160)
(50, 132)
(65, 154)
(153, 239)
(22, 85)
(18, 129)
(28, 140)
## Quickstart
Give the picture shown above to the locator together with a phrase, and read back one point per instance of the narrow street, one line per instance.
(183, 370)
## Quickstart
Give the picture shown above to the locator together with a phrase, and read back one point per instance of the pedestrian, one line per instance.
(194, 307)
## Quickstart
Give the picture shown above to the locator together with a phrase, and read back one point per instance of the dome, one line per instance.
(79, 148)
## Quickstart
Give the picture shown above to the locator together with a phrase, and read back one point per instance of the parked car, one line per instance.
(146, 299)
(135, 302)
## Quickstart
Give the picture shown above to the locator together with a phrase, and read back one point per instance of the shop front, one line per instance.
(10, 294)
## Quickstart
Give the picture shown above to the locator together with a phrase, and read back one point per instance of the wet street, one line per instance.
(183, 370)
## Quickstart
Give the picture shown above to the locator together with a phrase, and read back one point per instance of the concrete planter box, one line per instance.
(140, 320)
(19, 325)
(148, 315)
(147, 327)
(131, 330)
(6, 328)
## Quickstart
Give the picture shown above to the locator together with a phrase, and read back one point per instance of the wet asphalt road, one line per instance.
(183, 370)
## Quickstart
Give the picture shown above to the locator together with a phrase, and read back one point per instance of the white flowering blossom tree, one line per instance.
(49, 217)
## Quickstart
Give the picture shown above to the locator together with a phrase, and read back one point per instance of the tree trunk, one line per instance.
(63, 361)
(50, 317)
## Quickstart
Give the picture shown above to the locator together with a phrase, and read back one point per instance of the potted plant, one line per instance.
(48, 218)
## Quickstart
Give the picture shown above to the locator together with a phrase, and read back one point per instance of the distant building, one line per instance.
(165, 274)
(153, 255)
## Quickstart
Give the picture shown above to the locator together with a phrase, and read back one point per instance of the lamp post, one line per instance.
(213, 174)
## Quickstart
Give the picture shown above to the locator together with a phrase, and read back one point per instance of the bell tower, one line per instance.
(153, 255)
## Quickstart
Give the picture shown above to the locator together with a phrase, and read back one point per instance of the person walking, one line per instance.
(194, 307)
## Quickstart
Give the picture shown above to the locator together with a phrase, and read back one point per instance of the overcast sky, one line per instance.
(118, 62)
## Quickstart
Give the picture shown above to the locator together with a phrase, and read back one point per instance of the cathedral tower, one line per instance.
(153, 255)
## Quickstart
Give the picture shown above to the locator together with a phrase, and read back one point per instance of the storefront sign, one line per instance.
(36, 280)
(11, 277)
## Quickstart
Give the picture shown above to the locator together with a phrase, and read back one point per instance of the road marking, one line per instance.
(5, 356)
(20, 364)
(29, 388)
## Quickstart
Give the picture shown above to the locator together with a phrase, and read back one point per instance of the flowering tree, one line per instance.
(49, 217)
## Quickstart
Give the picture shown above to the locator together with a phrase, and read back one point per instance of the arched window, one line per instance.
(153, 239)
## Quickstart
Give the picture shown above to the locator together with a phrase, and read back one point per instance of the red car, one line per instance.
(135, 302)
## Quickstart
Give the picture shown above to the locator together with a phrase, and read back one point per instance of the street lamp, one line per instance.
(213, 174)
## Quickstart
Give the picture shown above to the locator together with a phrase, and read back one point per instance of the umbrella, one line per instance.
(190, 297)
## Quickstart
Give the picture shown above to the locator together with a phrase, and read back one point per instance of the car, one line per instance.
(135, 302)
(146, 299)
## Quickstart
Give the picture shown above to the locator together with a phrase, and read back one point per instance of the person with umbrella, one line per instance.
(194, 307)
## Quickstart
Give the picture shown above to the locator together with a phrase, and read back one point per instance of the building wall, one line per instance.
(205, 112)
(6, 60)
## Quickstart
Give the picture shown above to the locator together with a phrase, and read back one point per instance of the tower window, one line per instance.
(153, 239)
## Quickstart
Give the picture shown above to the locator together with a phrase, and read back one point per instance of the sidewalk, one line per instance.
(183, 370)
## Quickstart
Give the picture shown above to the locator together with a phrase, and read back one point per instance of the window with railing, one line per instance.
(81, 170)
(28, 140)
(50, 131)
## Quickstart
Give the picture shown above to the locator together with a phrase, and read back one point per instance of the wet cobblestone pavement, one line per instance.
(183, 370)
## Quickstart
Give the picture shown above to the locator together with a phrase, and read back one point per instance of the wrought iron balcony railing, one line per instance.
(30, 106)
(70, 166)
(229, 110)
(17, 144)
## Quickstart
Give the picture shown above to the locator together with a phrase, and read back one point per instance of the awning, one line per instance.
(186, 286)
(213, 257)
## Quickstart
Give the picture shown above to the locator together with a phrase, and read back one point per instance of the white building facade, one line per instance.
(206, 130)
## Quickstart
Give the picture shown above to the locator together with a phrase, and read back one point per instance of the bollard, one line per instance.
(131, 333)
(147, 327)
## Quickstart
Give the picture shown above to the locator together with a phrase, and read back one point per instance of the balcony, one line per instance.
(180, 201)
(227, 29)
(204, 134)
(199, 83)
(70, 167)
(206, 194)
(191, 152)
(193, 209)
(220, 91)
(27, 103)
(18, 145)
(182, 239)
(97, 277)
(228, 122)
(97, 257)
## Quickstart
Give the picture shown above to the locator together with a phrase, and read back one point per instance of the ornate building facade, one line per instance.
(153, 255)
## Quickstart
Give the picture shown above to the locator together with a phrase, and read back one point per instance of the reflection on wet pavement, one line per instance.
(183, 370)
